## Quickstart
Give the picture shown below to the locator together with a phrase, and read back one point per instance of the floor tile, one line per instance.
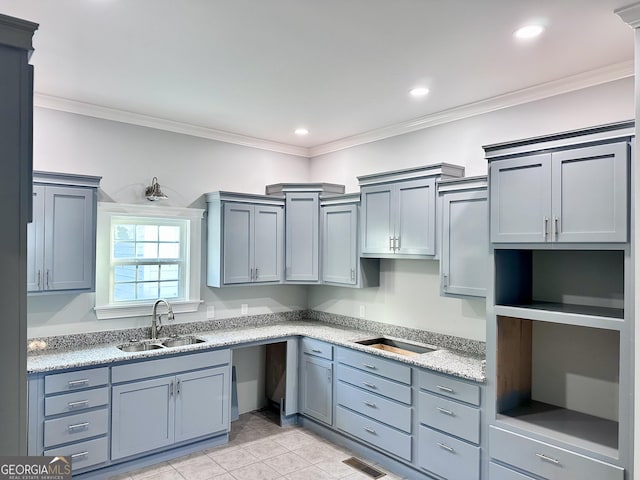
(287, 463)
(336, 468)
(197, 467)
(151, 470)
(265, 449)
(234, 458)
(309, 473)
(255, 471)
(295, 439)
(320, 452)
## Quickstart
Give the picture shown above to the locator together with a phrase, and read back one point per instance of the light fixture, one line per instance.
(301, 131)
(153, 192)
(418, 92)
(528, 31)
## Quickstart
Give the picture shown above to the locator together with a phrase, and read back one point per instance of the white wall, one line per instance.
(408, 292)
(127, 157)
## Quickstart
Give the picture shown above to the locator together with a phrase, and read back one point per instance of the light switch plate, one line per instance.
(211, 312)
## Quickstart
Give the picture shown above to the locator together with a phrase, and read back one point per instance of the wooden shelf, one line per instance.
(584, 315)
(592, 433)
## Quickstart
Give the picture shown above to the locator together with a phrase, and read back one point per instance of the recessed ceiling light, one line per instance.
(529, 31)
(301, 131)
(418, 92)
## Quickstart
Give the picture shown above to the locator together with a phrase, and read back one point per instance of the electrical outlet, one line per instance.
(211, 312)
(362, 311)
(244, 308)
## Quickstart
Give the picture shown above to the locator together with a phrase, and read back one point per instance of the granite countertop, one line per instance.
(461, 364)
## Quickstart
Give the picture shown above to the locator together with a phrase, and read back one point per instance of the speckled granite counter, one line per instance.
(464, 365)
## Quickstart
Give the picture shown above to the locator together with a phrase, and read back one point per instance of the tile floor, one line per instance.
(260, 450)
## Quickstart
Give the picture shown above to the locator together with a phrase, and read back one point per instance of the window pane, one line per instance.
(123, 292)
(147, 233)
(146, 250)
(168, 289)
(124, 273)
(124, 232)
(169, 234)
(123, 250)
(169, 272)
(148, 272)
(169, 250)
(147, 290)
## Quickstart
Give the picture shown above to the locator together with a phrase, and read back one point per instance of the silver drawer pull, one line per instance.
(542, 456)
(370, 385)
(79, 455)
(446, 447)
(444, 389)
(369, 404)
(316, 350)
(370, 430)
(78, 426)
(445, 411)
(81, 403)
(368, 365)
(78, 383)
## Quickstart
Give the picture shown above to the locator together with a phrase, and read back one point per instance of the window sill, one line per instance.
(142, 309)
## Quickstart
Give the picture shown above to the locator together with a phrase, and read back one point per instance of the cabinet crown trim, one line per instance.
(17, 33)
(282, 188)
(458, 184)
(444, 170)
(69, 179)
(244, 198)
(345, 199)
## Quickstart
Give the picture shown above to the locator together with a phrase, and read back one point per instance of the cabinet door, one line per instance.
(302, 236)
(35, 242)
(69, 228)
(416, 217)
(237, 243)
(521, 199)
(317, 388)
(590, 194)
(339, 244)
(202, 403)
(377, 220)
(142, 416)
(268, 244)
(465, 244)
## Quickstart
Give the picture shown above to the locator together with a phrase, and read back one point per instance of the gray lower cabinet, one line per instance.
(575, 194)
(61, 237)
(464, 256)
(316, 380)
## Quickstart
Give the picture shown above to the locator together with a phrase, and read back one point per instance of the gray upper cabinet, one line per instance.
(399, 211)
(464, 258)
(245, 240)
(575, 195)
(61, 237)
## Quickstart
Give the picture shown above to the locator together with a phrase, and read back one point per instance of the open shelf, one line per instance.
(586, 315)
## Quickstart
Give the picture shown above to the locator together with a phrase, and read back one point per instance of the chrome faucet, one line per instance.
(156, 320)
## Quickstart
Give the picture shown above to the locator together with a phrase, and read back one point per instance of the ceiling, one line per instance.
(341, 68)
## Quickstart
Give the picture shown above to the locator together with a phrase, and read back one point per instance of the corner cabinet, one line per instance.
(464, 255)
(245, 239)
(61, 238)
(399, 211)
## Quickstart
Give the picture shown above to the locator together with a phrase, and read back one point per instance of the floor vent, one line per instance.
(363, 467)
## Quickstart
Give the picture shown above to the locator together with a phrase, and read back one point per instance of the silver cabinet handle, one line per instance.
(316, 350)
(396, 243)
(79, 455)
(256, 273)
(171, 390)
(39, 274)
(556, 228)
(370, 430)
(329, 376)
(353, 274)
(545, 227)
(391, 243)
(78, 426)
(251, 274)
(368, 365)
(370, 385)
(178, 387)
(47, 278)
(446, 447)
(542, 456)
(79, 404)
(78, 383)
(445, 280)
(444, 389)
(369, 404)
(446, 412)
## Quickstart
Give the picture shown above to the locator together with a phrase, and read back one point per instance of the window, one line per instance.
(144, 253)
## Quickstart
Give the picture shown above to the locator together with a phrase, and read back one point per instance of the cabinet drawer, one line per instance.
(375, 406)
(550, 462)
(446, 456)
(170, 365)
(376, 365)
(64, 382)
(375, 433)
(75, 427)
(449, 387)
(460, 420)
(375, 384)
(317, 348)
(76, 401)
(83, 454)
(498, 472)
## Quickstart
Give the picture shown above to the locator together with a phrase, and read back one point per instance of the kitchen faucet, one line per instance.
(156, 320)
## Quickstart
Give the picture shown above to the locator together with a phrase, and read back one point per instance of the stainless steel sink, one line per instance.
(139, 346)
(396, 346)
(181, 341)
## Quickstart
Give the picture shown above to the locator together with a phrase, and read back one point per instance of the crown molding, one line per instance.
(630, 15)
(90, 110)
(591, 78)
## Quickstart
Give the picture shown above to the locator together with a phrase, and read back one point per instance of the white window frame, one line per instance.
(105, 308)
